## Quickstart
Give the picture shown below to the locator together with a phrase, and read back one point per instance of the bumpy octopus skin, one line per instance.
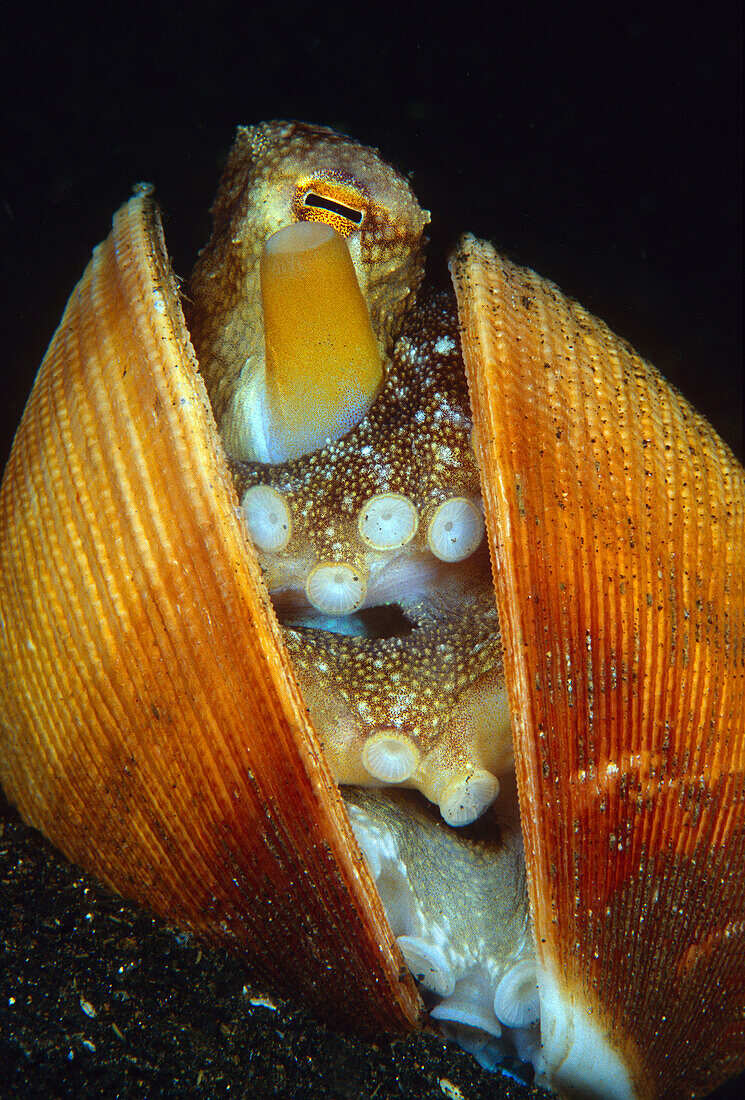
(427, 708)
(387, 515)
(284, 172)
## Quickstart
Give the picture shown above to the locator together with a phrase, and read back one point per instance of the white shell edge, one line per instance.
(580, 1061)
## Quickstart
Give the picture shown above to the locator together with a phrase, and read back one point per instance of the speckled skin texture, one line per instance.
(433, 695)
(441, 685)
(415, 441)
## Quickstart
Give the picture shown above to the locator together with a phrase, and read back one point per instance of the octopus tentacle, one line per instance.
(378, 498)
(457, 904)
(346, 417)
(428, 708)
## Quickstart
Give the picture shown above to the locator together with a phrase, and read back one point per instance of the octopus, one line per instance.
(355, 468)
(339, 391)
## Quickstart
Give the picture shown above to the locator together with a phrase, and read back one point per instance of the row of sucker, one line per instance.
(391, 514)
(426, 709)
(394, 497)
(386, 522)
(457, 904)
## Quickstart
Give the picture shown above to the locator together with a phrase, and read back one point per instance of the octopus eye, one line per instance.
(320, 202)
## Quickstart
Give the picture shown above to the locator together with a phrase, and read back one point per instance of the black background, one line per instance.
(601, 147)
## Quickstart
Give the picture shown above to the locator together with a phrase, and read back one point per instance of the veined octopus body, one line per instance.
(340, 394)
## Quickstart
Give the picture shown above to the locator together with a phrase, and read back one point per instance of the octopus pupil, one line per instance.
(321, 203)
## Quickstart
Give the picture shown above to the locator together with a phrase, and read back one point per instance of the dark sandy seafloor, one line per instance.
(99, 999)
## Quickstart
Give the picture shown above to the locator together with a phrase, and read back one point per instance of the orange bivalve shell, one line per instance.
(151, 726)
(615, 517)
